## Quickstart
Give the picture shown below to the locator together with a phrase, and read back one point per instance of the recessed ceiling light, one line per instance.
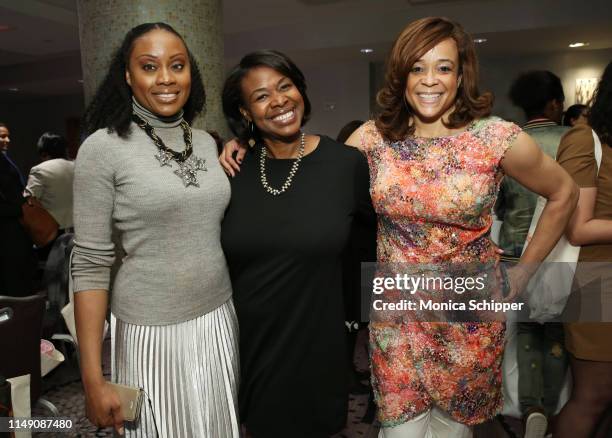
(13, 89)
(480, 40)
(574, 45)
(366, 50)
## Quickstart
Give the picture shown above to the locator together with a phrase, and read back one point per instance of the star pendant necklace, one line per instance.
(188, 164)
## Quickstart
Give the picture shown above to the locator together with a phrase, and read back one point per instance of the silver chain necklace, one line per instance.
(262, 167)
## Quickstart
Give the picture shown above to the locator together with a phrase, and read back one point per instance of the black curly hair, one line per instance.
(600, 114)
(532, 90)
(111, 107)
(572, 113)
(232, 89)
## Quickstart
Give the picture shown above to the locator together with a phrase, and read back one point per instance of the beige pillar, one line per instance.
(104, 23)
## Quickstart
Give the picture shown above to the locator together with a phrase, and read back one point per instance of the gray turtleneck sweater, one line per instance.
(174, 269)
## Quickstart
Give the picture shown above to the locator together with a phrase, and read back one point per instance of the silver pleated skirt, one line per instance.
(189, 370)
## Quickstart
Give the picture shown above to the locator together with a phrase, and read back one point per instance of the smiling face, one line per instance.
(159, 73)
(4, 138)
(432, 83)
(273, 103)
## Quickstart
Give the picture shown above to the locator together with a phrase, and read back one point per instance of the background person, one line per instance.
(539, 94)
(575, 114)
(146, 172)
(541, 356)
(346, 131)
(284, 234)
(51, 181)
(436, 158)
(362, 247)
(591, 228)
(17, 260)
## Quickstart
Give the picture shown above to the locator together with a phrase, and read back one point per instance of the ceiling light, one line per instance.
(13, 89)
(480, 40)
(366, 51)
(573, 45)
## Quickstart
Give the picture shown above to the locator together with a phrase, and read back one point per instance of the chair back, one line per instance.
(21, 321)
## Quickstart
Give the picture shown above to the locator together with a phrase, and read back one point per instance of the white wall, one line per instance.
(343, 84)
(498, 73)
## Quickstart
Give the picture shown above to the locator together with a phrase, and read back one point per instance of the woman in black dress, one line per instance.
(288, 222)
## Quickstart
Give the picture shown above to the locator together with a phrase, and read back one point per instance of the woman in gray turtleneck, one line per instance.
(145, 173)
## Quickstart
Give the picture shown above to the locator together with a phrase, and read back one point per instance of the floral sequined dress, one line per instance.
(433, 198)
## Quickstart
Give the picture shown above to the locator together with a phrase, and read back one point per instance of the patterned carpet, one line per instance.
(63, 388)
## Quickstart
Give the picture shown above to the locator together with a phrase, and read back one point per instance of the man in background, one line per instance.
(541, 356)
(16, 255)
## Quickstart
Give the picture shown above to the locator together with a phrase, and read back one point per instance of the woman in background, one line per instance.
(51, 181)
(591, 228)
(575, 114)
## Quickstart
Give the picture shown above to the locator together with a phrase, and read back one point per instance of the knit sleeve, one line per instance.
(94, 193)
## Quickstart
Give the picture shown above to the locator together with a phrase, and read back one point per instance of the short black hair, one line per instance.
(53, 145)
(111, 107)
(532, 90)
(573, 112)
(232, 89)
(348, 129)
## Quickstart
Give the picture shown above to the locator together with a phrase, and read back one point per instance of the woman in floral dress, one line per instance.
(436, 159)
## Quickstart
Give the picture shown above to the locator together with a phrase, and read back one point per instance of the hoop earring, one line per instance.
(251, 141)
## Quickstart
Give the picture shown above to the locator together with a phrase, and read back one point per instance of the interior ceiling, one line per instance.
(39, 53)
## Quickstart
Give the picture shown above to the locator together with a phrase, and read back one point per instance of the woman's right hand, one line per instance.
(103, 406)
(230, 164)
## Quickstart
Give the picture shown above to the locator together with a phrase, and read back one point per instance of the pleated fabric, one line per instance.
(190, 371)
